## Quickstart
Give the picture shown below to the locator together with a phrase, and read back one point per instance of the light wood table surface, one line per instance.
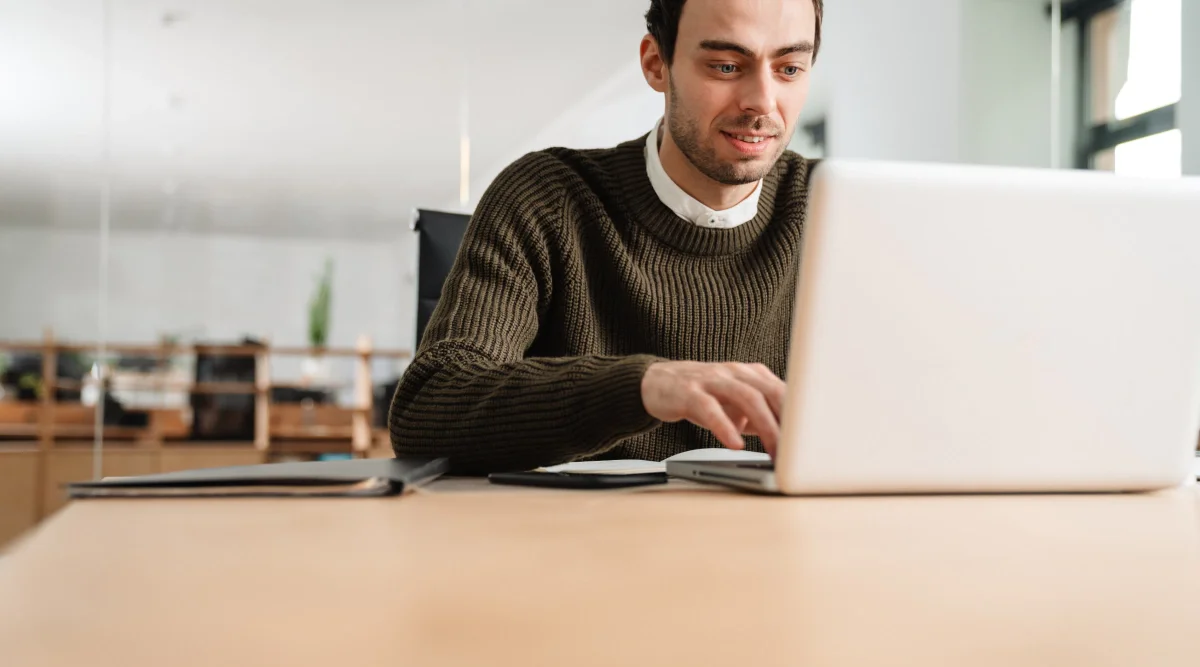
(464, 574)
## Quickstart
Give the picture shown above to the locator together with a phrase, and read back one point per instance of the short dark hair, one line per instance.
(662, 22)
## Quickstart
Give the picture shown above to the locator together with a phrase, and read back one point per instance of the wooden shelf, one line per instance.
(19, 430)
(88, 445)
(21, 347)
(339, 352)
(320, 425)
(223, 388)
(340, 446)
(230, 350)
(313, 386)
(52, 442)
(71, 431)
(187, 350)
(212, 444)
(164, 351)
(152, 384)
(312, 432)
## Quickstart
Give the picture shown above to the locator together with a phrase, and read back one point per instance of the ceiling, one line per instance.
(297, 117)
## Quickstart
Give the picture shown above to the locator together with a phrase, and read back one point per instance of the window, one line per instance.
(1130, 82)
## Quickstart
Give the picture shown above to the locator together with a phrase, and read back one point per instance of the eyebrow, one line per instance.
(722, 45)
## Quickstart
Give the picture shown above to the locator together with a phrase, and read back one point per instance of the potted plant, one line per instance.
(22, 377)
(315, 367)
(29, 387)
(4, 391)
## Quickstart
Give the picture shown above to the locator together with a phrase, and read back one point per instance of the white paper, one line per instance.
(719, 454)
(639, 466)
(615, 467)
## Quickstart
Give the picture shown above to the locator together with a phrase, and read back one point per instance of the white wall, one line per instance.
(48, 279)
(1006, 84)
(621, 108)
(213, 287)
(894, 69)
(345, 114)
(939, 80)
(944, 80)
(1189, 108)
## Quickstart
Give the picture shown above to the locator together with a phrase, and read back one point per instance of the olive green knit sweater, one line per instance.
(573, 277)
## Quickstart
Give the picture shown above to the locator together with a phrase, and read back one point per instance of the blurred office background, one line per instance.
(207, 253)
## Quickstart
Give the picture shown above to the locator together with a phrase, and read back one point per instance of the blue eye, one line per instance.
(791, 70)
(726, 68)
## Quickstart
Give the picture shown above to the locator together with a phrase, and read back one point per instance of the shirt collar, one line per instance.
(688, 207)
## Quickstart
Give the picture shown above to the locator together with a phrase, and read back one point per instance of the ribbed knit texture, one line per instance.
(572, 279)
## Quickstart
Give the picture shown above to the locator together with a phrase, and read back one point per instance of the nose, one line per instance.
(758, 93)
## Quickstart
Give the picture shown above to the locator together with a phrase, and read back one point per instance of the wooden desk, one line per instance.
(458, 575)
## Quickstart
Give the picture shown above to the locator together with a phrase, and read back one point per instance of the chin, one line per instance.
(751, 170)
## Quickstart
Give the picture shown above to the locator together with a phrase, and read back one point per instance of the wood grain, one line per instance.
(188, 457)
(671, 575)
(75, 465)
(18, 491)
(294, 416)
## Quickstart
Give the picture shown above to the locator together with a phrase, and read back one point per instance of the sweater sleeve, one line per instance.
(471, 394)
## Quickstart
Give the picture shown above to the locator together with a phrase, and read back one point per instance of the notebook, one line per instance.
(355, 478)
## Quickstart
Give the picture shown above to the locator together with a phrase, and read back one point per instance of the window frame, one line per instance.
(1092, 139)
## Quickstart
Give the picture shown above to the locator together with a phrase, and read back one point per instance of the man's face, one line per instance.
(738, 82)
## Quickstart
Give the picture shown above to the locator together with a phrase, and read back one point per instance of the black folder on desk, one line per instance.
(361, 477)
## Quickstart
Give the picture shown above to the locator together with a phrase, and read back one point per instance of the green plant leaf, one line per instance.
(319, 307)
(31, 382)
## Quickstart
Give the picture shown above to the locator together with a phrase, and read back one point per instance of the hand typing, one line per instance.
(728, 399)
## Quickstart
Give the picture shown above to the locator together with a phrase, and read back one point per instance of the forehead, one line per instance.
(761, 25)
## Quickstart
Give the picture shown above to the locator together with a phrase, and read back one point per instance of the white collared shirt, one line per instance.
(688, 207)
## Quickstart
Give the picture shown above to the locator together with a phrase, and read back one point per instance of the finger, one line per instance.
(751, 403)
(706, 412)
(740, 421)
(765, 381)
(747, 428)
(769, 447)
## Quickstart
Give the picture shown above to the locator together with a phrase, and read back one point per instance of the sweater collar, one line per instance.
(644, 205)
(686, 206)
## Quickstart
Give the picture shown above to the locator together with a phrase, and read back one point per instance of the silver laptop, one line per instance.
(975, 329)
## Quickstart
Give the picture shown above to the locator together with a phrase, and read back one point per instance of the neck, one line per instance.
(691, 180)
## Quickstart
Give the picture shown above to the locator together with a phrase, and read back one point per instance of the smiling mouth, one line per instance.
(749, 145)
(748, 138)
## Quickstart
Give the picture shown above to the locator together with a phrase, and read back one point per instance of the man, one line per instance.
(633, 302)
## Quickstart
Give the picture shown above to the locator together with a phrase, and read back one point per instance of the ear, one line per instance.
(654, 68)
